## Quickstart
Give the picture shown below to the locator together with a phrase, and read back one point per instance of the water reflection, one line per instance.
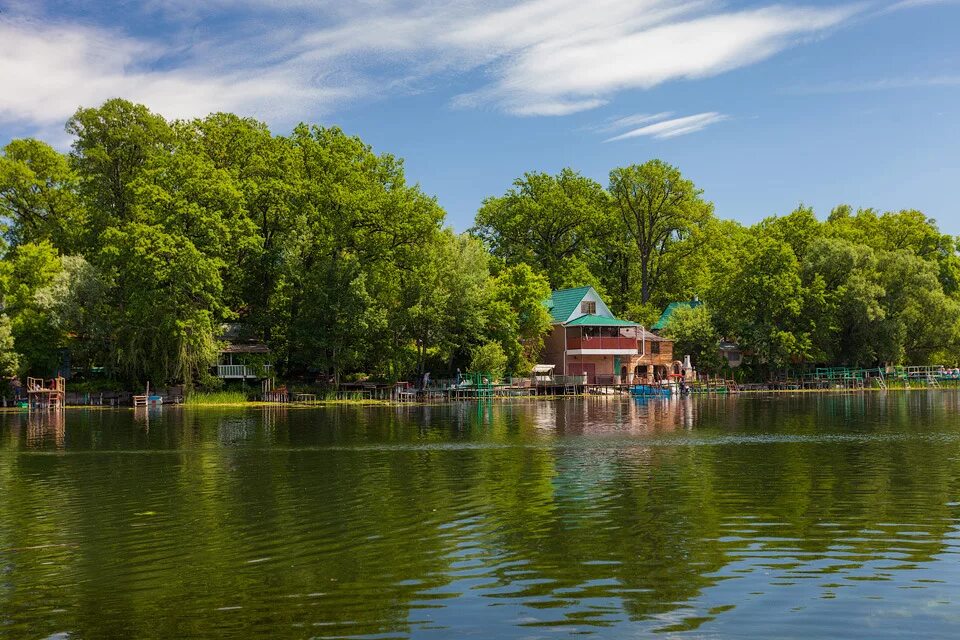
(45, 429)
(812, 516)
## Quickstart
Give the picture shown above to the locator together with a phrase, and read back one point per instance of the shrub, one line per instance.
(489, 358)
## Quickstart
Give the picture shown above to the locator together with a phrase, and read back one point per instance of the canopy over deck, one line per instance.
(599, 321)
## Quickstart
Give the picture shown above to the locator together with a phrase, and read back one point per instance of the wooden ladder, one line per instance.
(882, 383)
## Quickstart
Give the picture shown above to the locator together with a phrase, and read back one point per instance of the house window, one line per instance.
(654, 348)
(588, 307)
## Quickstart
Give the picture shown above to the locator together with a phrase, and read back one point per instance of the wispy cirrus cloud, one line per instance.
(881, 84)
(672, 127)
(281, 58)
(625, 122)
(914, 4)
(50, 70)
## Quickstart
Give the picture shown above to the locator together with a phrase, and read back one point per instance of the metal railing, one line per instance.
(562, 380)
(603, 343)
(240, 371)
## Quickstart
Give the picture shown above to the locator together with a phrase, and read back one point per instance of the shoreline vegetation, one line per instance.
(374, 402)
(122, 260)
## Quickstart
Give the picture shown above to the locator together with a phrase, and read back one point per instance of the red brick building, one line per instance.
(587, 339)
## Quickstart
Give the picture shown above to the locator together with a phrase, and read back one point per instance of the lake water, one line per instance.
(789, 517)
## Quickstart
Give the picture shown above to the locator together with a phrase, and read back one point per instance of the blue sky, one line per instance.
(764, 105)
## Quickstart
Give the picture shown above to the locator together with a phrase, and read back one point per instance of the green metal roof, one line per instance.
(668, 312)
(600, 321)
(564, 302)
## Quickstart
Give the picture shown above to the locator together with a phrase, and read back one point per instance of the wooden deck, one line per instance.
(46, 394)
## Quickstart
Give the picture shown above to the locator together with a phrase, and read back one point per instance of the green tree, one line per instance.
(551, 223)
(9, 358)
(662, 211)
(517, 318)
(77, 301)
(908, 230)
(920, 319)
(166, 300)
(849, 326)
(27, 270)
(363, 225)
(38, 196)
(489, 359)
(112, 145)
(445, 298)
(186, 194)
(332, 331)
(799, 229)
(269, 173)
(693, 333)
(765, 301)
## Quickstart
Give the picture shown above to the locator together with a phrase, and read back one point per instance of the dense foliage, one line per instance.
(861, 288)
(128, 254)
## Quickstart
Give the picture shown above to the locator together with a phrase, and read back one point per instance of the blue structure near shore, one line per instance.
(650, 391)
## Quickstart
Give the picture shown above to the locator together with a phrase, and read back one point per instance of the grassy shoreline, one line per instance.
(233, 403)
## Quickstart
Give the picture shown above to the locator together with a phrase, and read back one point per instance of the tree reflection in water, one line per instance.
(745, 516)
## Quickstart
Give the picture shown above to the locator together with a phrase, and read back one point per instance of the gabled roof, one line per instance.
(563, 303)
(651, 337)
(668, 312)
(599, 321)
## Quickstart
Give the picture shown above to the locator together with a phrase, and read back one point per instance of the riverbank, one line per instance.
(373, 402)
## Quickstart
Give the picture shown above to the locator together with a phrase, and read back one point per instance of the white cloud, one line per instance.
(625, 122)
(883, 84)
(300, 58)
(48, 71)
(673, 127)
(560, 56)
(557, 107)
(913, 4)
(641, 59)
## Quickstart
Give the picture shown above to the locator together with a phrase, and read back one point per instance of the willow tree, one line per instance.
(166, 299)
(663, 212)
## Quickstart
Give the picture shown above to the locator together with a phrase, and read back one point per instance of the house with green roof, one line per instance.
(673, 306)
(589, 340)
(729, 351)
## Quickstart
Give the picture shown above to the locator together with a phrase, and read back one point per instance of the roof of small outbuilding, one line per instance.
(668, 312)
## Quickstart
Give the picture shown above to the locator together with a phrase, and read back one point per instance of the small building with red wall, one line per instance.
(588, 340)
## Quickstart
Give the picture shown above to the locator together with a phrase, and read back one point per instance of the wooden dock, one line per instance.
(147, 400)
(46, 394)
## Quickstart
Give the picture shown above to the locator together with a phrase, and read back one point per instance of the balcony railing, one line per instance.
(619, 343)
(240, 371)
(551, 381)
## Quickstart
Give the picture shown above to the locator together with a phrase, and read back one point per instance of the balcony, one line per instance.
(240, 371)
(620, 343)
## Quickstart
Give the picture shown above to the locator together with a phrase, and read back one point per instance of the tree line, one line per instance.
(126, 255)
(862, 288)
